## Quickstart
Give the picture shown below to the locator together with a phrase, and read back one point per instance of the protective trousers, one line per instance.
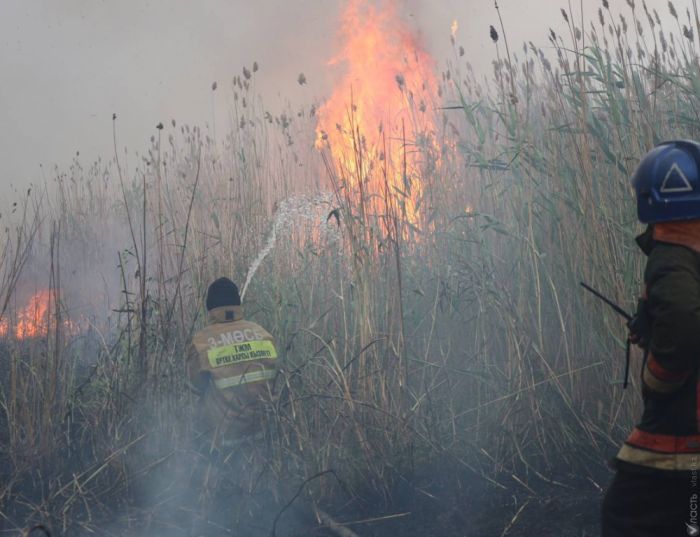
(649, 505)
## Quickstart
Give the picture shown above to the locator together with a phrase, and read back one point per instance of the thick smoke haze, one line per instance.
(68, 66)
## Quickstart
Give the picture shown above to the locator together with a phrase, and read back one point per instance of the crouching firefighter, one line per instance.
(231, 365)
(655, 490)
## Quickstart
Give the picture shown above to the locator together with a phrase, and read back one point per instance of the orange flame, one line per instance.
(382, 104)
(34, 319)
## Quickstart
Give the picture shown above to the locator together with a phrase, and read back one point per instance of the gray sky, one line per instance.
(67, 65)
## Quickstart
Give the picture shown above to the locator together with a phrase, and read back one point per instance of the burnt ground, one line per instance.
(558, 512)
(565, 510)
(561, 511)
(473, 508)
(440, 502)
(568, 506)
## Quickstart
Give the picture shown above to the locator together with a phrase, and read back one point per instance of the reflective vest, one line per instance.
(231, 364)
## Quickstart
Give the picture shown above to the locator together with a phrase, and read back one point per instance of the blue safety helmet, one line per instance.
(667, 183)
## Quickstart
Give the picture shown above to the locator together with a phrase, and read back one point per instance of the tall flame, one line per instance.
(382, 106)
(34, 319)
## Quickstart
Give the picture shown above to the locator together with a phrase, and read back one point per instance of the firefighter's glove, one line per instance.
(640, 325)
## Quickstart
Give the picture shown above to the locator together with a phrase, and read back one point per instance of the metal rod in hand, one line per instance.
(609, 302)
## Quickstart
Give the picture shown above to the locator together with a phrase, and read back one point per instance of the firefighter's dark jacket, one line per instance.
(667, 438)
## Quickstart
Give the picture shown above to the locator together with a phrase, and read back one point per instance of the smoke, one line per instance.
(182, 486)
(82, 264)
(68, 66)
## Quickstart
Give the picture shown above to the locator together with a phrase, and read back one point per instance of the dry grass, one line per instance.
(466, 345)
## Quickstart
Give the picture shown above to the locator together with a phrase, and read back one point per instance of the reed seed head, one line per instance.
(688, 33)
(672, 10)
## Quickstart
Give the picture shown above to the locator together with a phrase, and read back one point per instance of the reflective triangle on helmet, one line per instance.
(675, 181)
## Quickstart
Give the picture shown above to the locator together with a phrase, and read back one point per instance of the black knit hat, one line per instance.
(223, 292)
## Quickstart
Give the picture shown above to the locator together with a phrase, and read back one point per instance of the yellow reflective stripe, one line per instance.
(660, 461)
(660, 386)
(237, 353)
(246, 378)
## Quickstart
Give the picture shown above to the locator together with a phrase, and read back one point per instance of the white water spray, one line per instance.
(289, 213)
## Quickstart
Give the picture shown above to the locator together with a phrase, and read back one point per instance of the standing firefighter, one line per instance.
(231, 365)
(655, 490)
